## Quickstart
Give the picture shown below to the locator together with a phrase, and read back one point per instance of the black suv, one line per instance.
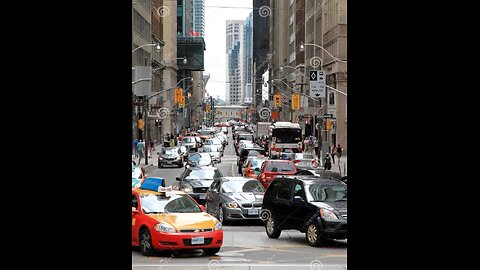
(315, 206)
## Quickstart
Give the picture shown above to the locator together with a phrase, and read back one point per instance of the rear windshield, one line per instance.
(280, 167)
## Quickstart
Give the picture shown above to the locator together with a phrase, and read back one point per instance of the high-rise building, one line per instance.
(248, 64)
(235, 41)
(260, 51)
(199, 18)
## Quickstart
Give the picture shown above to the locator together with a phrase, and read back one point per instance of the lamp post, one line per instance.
(146, 99)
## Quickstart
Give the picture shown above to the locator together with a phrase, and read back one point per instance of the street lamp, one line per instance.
(157, 47)
(302, 48)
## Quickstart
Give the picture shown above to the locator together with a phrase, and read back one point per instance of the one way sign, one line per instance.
(317, 84)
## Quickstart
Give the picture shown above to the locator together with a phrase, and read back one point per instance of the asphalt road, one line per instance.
(245, 244)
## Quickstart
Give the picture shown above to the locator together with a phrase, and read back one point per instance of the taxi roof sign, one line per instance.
(167, 190)
(153, 183)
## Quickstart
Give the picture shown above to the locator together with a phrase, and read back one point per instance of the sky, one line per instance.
(215, 57)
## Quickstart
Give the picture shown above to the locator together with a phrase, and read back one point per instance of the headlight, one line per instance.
(327, 214)
(164, 227)
(232, 205)
(187, 190)
(160, 158)
(218, 225)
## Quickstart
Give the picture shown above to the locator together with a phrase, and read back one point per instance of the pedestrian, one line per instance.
(315, 144)
(141, 150)
(339, 151)
(306, 144)
(327, 164)
(333, 151)
(151, 149)
(135, 147)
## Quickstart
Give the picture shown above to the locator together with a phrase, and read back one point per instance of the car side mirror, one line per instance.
(203, 208)
(297, 199)
(134, 210)
(177, 178)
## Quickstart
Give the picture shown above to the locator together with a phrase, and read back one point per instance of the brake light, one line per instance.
(263, 178)
(296, 161)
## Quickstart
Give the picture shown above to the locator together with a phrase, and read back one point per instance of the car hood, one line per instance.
(197, 183)
(341, 206)
(245, 197)
(170, 156)
(187, 221)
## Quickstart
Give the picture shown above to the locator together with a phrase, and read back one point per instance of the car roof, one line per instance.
(203, 168)
(308, 179)
(236, 178)
(279, 160)
(147, 191)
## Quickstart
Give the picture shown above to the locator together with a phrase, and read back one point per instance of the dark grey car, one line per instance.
(235, 198)
(196, 180)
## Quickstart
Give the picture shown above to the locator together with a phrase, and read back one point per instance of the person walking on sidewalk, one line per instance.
(327, 164)
(332, 149)
(151, 148)
(141, 150)
(339, 151)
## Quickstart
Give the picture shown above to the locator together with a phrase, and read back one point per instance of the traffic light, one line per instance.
(277, 100)
(178, 95)
(181, 103)
(295, 101)
(328, 124)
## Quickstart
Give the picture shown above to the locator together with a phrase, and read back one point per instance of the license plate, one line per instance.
(169, 162)
(197, 240)
(202, 196)
(253, 211)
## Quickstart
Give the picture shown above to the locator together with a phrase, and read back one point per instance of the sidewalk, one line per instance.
(339, 167)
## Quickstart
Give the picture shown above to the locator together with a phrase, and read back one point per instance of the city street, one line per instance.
(246, 245)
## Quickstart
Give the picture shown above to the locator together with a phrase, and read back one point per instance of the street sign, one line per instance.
(317, 84)
(328, 115)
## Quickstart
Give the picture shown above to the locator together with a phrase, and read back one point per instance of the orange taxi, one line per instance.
(172, 220)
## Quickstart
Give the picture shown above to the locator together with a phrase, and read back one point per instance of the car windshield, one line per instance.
(155, 204)
(304, 156)
(280, 167)
(200, 159)
(203, 174)
(242, 186)
(172, 151)
(210, 149)
(326, 193)
(257, 163)
(188, 140)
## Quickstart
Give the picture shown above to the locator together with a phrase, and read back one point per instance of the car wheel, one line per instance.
(313, 236)
(271, 227)
(146, 246)
(220, 216)
(211, 251)
(180, 165)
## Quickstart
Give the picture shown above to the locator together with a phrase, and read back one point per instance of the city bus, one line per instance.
(285, 135)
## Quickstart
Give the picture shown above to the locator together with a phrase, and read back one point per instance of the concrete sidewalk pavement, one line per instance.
(152, 161)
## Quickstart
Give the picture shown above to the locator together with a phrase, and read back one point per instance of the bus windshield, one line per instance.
(287, 135)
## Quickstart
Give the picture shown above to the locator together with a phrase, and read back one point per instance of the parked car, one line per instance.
(170, 156)
(315, 206)
(172, 221)
(233, 198)
(272, 168)
(196, 180)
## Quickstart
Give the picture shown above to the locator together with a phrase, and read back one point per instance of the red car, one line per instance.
(172, 220)
(274, 167)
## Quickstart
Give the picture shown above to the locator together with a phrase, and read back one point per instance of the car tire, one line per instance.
(146, 247)
(313, 235)
(180, 165)
(211, 251)
(271, 227)
(221, 215)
